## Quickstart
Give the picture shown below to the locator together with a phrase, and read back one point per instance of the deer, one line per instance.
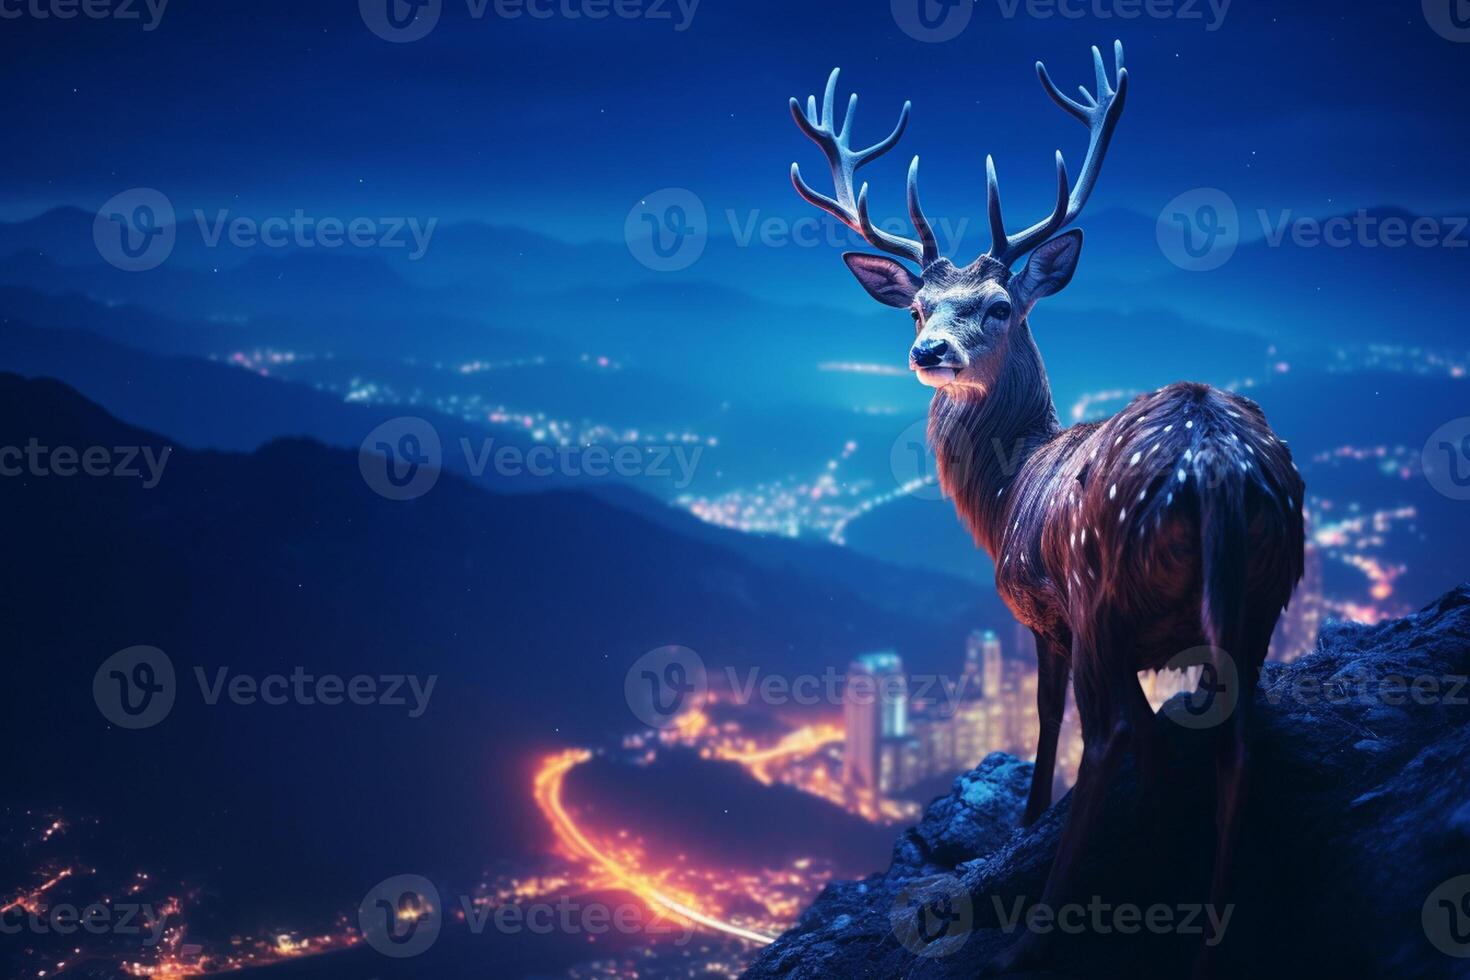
(1172, 526)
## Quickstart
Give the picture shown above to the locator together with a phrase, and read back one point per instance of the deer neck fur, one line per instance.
(984, 434)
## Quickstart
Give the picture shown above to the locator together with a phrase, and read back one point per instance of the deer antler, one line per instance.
(849, 208)
(1100, 115)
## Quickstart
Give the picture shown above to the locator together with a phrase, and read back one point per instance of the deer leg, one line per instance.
(1148, 743)
(1053, 671)
(1101, 705)
(1106, 734)
(1232, 757)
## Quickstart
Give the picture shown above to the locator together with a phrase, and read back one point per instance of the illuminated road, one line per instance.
(548, 791)
(803, 741)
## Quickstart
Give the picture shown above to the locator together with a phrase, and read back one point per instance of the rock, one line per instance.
(1357, 828)
(975, 818)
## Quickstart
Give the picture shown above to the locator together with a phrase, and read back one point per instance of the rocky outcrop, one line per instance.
(1357, 837)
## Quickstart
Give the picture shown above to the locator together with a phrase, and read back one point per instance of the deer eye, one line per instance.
(915, 314)
(1001, 311)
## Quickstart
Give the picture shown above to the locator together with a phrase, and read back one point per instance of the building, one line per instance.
(971, 724)
(875, 715)
(983, 663)
(1024, 647)
(911, 764)
(891, 745)
(934, 734)
(980, 684)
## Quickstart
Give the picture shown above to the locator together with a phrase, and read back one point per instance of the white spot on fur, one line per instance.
(1181, 474)
(1112, 491)
(1136, 457)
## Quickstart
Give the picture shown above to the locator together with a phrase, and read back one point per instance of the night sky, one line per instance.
(561, 123)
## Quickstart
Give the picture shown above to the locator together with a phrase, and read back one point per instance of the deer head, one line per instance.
(963, 316)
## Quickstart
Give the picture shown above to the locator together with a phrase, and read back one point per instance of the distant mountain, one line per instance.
(299, 398)
(516, 280)
(63, 235)
(771, 408)
(215, 405)
(301, 489)
(1309, 291)
(221, 406)
(268, 283)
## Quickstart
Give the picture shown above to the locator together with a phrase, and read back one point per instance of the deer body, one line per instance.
(1123, 544)
(1111, 512)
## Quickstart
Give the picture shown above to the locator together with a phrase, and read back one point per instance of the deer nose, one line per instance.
(929, 353)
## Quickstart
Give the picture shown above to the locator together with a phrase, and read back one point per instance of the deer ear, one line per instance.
(885, 280)
(1049, 268)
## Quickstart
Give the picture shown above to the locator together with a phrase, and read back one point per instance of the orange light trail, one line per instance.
(548, 793)
(803, 741)
(31, 901)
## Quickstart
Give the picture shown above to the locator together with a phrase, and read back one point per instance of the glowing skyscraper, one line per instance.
(875, 713)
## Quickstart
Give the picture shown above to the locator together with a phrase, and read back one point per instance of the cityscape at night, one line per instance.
(469, 516)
